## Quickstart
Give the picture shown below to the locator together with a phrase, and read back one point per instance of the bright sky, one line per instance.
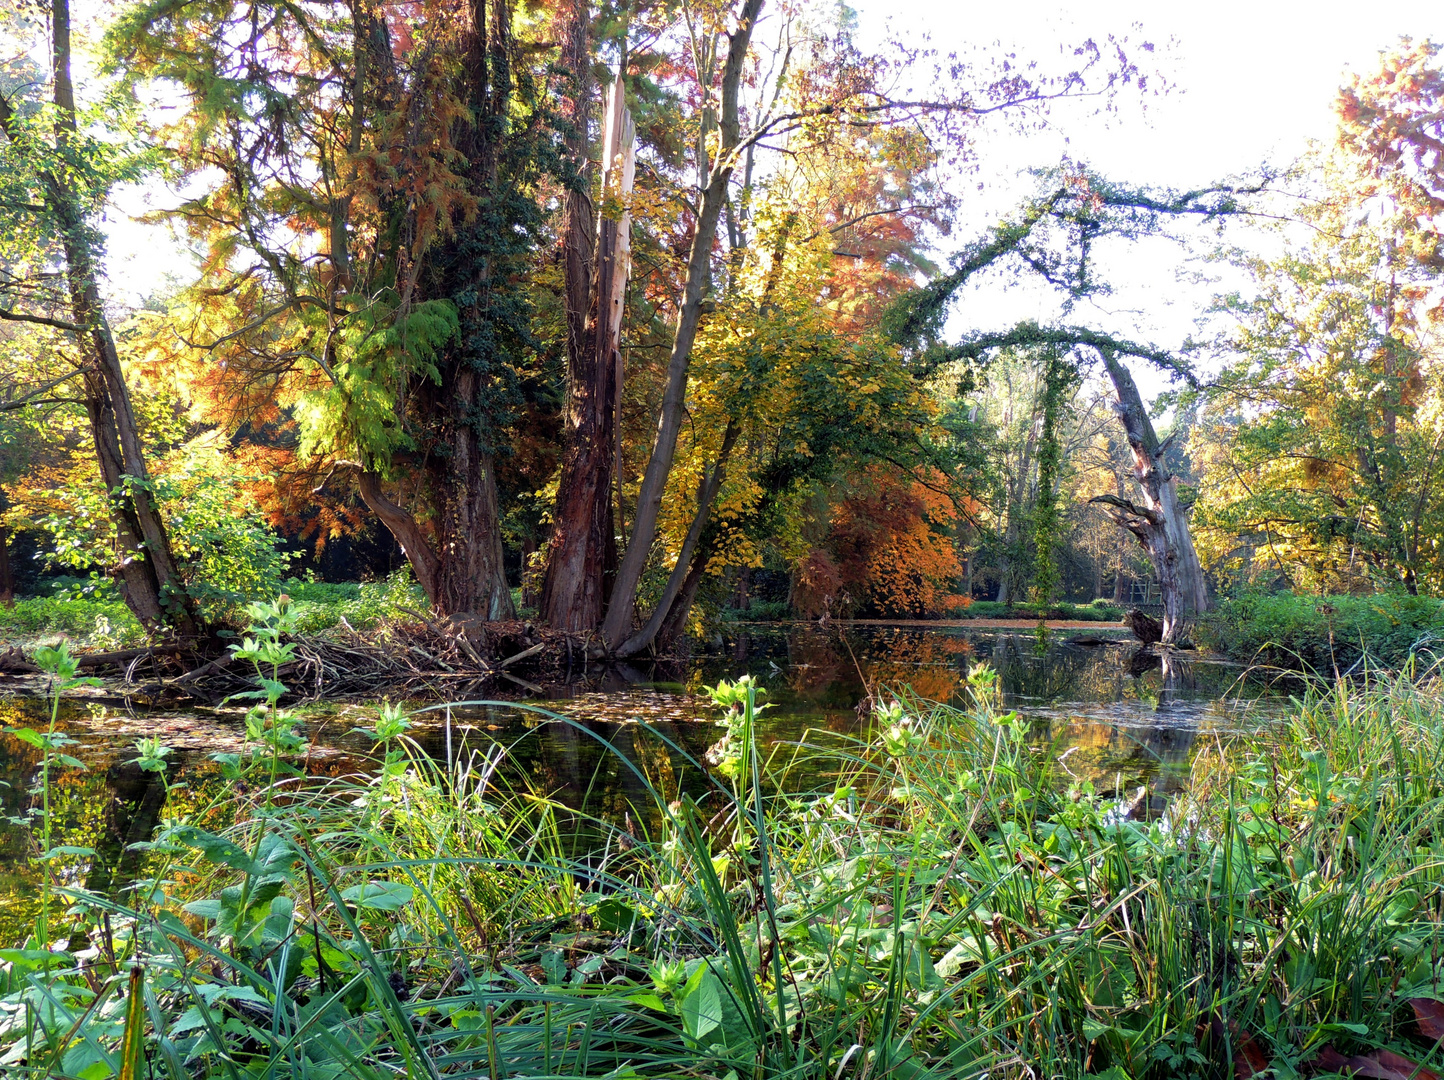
(1253, 82)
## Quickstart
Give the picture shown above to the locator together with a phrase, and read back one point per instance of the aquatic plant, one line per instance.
(943, 906)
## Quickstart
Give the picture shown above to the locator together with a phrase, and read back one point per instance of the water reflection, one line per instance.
(1106, 712)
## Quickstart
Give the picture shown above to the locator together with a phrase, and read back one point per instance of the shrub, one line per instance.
(100, 622)
(319, 606)
(1294, 631)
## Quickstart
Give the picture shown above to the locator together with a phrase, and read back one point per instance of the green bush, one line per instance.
(759, 611)
(321, 606)
(1097, 611)
(1293, 631)
(99, 622)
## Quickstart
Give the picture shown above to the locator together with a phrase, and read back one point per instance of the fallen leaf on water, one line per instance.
(1430, 1016)
(1379, 1064)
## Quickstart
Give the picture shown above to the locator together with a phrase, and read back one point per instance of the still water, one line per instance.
(1103, 711)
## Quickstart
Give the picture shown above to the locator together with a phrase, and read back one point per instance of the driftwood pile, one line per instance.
(459, 658)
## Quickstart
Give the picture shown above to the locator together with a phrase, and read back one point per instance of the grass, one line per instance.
(945, 907)
(1324, 634)
(104, 622)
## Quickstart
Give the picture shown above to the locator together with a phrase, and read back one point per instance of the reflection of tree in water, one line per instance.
(1065, 672)
(1118, 760)
(819, 665)
(932, 665)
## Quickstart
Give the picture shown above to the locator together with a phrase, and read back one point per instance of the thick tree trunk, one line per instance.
(583, 546)
(470, 576)
(460, 564)
(1158, 524)
(617, 626)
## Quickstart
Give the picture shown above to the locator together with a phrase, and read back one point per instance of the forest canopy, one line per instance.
(627, 316)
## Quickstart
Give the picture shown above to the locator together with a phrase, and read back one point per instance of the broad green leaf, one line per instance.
(378, 895)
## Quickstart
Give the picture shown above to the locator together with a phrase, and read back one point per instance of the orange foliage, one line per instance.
(889, 548)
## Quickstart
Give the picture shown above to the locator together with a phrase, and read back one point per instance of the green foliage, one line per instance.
(226, 552)
(759, 611)
(319, 606)
(1294, 631)
(102, 622)
(355, 412)
(945, 906)
(1097, 611)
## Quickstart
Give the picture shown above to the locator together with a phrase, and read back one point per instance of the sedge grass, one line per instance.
(945, 908)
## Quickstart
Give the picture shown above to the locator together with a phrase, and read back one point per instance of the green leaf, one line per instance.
(216, 849)
(702, 1007)
(35, 959)
(378, 895)
(64, 849)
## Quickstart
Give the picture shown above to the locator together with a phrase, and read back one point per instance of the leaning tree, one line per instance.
(1053, 237)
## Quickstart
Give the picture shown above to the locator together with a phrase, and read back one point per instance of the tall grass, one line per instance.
(944, 908)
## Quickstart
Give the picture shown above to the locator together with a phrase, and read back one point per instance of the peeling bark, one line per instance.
(582, 552)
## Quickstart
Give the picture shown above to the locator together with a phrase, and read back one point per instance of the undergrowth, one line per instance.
(945, 908)
(1325, 634)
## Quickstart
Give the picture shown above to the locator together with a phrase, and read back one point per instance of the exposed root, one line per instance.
(453, 659)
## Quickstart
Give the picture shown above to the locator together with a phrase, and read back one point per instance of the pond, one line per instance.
(1102, 710)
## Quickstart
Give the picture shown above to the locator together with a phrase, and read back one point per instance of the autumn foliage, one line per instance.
(889, 550)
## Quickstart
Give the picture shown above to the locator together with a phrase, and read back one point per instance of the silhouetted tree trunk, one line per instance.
(7, 573)
(146, 573)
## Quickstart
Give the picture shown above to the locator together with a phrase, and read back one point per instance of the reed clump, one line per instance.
(945, 907)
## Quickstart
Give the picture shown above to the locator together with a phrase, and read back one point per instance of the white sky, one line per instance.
(1253, 82)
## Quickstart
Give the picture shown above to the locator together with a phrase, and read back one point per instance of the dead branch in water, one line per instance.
(420, 659)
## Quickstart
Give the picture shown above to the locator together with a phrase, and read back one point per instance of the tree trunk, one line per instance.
(675, 624)
(470, 576)
(1158, 524)
(460, 567)
(676, 582)
(622, 604)
(583, 546)
(413, 540)
(7, 573)
(147, 576)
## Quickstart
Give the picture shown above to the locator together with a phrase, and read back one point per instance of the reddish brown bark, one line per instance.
(582, 553)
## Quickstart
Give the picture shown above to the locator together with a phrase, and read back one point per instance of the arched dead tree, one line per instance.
(1158, 521)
